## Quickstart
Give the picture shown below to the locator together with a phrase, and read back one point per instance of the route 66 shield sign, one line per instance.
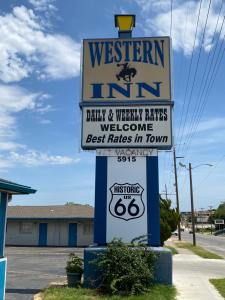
(126, 202)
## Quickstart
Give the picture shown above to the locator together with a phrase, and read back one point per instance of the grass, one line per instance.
(199, 251)
(173, 250)
(157, 292)
(219, 285)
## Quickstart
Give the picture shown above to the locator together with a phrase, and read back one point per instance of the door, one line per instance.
(72, 240)
(43, 229)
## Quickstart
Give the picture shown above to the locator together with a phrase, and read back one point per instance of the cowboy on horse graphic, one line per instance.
(126, 73)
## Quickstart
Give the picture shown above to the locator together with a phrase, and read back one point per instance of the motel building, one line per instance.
(59, 225)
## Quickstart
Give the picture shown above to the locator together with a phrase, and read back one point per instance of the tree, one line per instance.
(169, 219)
(219, 212)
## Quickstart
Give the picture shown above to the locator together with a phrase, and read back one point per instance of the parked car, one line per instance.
(175, 233)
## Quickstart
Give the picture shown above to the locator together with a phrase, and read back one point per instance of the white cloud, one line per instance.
(157, 20)
(43, 5)
(27, 48)
(35, 158)
(13, 100)
(208, 131)
(45, 121)
(212, 124)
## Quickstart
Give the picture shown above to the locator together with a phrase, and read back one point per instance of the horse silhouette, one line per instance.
(126, 73)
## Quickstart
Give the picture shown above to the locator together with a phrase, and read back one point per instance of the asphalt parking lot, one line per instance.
(31, 269)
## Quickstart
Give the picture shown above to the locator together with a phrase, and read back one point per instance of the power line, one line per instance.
(214, 73)
(198, 60)
(196, 113)
(189, 73)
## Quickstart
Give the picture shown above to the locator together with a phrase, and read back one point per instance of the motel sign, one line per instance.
(126, 69)
(126, 104)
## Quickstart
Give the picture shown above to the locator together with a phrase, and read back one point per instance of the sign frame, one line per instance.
(148, 99)
(166, 147)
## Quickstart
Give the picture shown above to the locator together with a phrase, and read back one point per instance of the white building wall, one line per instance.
(85, 233)
(57, 235)
(16, 236)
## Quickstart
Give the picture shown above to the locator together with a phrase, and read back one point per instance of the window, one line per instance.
(26, 227)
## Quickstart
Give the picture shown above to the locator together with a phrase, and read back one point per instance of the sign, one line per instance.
(127, 152)
(218, 221)
(126, 127)
(126, 69)
(126, 202)
(126, 198)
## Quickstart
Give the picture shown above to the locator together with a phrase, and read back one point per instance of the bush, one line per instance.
(74, 264)
(125, 269)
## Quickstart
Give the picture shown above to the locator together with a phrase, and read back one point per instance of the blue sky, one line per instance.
(40, 93)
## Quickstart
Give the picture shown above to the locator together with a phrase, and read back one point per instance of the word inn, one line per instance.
(112, 90)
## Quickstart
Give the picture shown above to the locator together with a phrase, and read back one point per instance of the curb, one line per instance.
(39, 296)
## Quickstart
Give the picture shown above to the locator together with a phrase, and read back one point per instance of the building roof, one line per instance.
(15, 188)
(71, 211)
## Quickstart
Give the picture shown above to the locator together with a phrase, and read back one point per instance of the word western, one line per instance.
(126, 114)
(114, 51)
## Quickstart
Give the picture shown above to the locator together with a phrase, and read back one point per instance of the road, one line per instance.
(212, 243)
(32, 269)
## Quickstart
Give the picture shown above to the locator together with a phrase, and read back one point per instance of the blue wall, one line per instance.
(3, 262)
(72, 240)
(3, 207)
(43, 234)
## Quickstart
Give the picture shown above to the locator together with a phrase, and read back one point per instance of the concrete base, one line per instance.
(163, 266)
(3, 264)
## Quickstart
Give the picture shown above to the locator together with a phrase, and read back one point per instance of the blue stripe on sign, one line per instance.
(153, 204)
(3, 208)
(100, 200)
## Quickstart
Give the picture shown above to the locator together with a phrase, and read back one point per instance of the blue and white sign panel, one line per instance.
(126, 198)
(126, 195)
(126, 69)
(126, 126)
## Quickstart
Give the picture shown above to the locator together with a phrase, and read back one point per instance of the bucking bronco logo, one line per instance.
(126, 73)
(126, 202)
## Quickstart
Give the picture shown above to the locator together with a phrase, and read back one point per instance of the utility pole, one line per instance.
(210, 209)
(192, 207)
(177, 195)
(166, 192)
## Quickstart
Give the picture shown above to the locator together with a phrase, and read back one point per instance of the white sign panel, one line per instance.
(126, 198)
(126, 69)
(126, 127)
(127, 152)
(218, 221)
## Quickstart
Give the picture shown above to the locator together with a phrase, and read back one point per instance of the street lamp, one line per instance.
(125, 23)
(210, 210)
(191, 194)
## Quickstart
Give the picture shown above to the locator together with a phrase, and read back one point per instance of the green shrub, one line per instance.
(74, 264)
(169, 219)
(125, 269)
